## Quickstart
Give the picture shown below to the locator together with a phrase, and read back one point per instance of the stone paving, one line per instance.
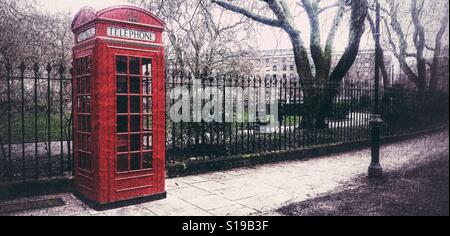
(261, 190)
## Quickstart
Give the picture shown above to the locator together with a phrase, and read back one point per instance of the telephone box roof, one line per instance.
(116, 13)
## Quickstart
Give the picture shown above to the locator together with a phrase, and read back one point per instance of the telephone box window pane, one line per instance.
(82, 108)
(122, 143)
(122, 104)
(88, 123)
(135, 142)
(84, 161)
(81, 141)
(82, 87)
(122, 163)
(134, 66)
(146, 66)
(147, 160)
(85, 125)
(135, 161)
(80, 104)
(121, 83)
(81, 160)
(88, 104)
(135, 105)
(134, 123)
(121, 65)
(82, 66)
(147, 105)
(87, 161)
(135, 85)
(147, 142)
(79, 85)
(78, 65)
(88, 85)
(147, 86)
(85, 145)
(147, 123)
(79, 123)
(88, 65)
(122, 124)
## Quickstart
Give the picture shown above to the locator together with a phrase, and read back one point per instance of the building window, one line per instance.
(284, 67)
(267, 60)
(274, 68)
(291, 67)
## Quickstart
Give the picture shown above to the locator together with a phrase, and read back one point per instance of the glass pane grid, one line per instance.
(134, 131)
(83, 112)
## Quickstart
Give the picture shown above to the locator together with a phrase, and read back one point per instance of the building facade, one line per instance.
(280, 64)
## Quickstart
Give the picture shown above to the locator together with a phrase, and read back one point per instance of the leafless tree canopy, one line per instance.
(280, 14)
(415, 32)
(29, 35)
(202, 38)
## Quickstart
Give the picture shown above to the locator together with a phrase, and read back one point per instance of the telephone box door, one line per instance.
(136, 165)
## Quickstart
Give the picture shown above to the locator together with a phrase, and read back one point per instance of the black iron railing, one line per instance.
(347, 117)
(35, 122)
(36, 118)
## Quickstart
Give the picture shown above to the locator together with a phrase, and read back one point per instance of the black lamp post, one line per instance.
(375, 170)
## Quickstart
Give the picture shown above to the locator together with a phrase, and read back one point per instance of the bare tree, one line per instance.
(410, 32)
(28, 35)
(318, 103)
(202, 39)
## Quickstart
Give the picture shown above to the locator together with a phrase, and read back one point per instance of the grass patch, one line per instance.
(29, 125)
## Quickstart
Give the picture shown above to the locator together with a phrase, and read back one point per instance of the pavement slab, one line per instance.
(262, 189)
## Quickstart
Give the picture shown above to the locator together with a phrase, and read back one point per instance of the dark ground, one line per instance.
(421, 191)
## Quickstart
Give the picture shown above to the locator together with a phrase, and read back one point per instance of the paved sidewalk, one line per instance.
(261, 190)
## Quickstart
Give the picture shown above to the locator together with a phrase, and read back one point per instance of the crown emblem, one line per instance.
(132, 16)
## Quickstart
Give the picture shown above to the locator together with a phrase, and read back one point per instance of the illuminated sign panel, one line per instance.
(131, 34)
(87, 34)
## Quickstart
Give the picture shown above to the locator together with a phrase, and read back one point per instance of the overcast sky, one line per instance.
(267, 38)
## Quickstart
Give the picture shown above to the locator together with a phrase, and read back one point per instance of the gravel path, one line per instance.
(261, 190)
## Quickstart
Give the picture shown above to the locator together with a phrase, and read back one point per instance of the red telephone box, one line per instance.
(119, 110)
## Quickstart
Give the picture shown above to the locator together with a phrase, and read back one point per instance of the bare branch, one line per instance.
(323, 9)
(401, 54)
(357, 28)
(334, 27)
(429, 47)
(255, 17)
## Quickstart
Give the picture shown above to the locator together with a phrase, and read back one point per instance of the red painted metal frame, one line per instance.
(103, 184)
